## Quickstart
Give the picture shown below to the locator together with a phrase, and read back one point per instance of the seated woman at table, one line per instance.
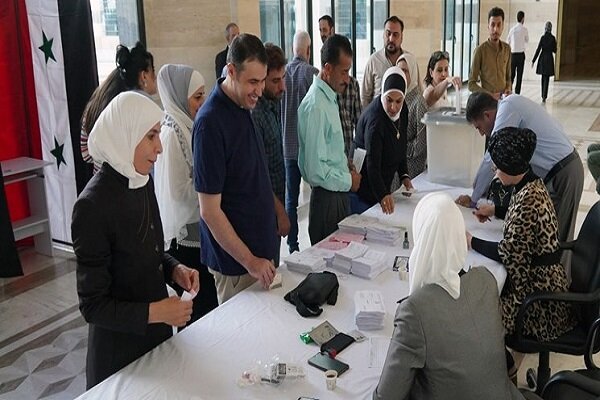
(438, 79)
(529, 248)
(118, 240)
(381, 131)
(448, 340)
(416, 134)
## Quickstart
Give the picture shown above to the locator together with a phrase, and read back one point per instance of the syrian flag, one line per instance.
(65, 75)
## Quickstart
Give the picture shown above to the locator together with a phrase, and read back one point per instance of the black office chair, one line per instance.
(584, 295)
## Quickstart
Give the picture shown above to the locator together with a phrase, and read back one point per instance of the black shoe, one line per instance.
(543, 99)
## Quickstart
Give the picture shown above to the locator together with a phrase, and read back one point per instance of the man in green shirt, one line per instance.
(491, 61)
(321, 158)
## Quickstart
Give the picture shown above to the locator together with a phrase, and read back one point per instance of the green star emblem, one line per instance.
(57, 152)
(46, 48)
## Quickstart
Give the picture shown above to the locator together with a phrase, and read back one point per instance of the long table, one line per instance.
(257, 327)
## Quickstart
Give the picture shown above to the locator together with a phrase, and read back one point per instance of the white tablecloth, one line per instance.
(206, 359)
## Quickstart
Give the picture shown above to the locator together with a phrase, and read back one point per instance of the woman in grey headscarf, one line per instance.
(118, 240)
(182, 93)
(545, 50)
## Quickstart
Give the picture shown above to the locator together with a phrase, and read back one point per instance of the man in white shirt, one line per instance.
(518, 36)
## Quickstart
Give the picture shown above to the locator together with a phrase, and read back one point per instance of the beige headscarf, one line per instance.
(118, 131)
(413, 70)
(440, 244)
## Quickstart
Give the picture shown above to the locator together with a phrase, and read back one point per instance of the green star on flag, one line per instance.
(57, 152)
(46, 48)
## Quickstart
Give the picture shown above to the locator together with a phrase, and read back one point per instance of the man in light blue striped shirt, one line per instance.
(321, 158)
(555, 160)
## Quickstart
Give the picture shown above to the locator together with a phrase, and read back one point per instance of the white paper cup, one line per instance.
(330, 379)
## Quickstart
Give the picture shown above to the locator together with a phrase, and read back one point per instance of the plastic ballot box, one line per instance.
(454, 148)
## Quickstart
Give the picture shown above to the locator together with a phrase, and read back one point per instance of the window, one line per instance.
(461, 34)
(359, 20)
(115, 22)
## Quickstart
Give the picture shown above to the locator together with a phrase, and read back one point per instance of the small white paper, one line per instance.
(277, 281)
(359, 158)
(378, 351)
(188, 296)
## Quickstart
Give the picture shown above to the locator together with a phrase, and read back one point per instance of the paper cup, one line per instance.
(330, 379)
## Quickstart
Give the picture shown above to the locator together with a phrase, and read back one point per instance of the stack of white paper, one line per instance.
(385, 233)
(342, 261)
(309, 260)
(356, 223)
(369, 309)
(371, 264)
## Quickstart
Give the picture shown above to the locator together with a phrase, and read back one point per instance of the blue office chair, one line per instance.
(584, 295)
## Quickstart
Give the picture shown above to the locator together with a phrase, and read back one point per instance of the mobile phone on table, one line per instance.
(323, 362)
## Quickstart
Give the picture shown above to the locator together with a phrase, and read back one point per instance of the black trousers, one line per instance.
(517, 65)
(206, 300)
(326, 209)
(545, 84)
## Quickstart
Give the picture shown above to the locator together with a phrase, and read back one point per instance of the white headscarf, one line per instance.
(176, 83)
(440, 244)
(393, 85)
(413, 70)
(119, 129)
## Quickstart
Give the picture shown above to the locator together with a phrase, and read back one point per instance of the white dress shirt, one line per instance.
(517, 37)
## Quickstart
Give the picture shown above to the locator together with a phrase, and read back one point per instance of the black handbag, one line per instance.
(316, 289)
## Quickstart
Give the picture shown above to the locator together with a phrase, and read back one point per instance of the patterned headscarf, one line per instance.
(548, 26)
(511, 149)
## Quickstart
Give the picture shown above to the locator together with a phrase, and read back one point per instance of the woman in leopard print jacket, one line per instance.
(529, 248)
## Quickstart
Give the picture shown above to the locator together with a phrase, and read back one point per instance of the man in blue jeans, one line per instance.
(299, 76)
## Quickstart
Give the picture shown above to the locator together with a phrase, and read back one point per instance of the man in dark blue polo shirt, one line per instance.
(237, 228)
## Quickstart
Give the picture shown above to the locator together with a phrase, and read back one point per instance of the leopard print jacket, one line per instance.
(531, 229)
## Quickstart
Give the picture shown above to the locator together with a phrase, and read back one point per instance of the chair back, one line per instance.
(585, 261)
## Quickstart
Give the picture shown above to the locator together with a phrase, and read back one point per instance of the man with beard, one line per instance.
(267, 123)
(349, 100)
(491, 61)
(381, 60)
(321, 157)
(237, 228)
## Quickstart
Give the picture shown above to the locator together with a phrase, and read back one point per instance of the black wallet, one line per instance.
(337, 343)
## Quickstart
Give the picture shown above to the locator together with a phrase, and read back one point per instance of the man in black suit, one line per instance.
(231, 31)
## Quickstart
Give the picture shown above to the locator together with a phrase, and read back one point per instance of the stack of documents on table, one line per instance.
(385, 233)
(371, 264)
(342, 261)
(309, 260)
(369, 309)
(356, 223)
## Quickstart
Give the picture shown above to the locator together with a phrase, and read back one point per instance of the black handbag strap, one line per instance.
(302, 308)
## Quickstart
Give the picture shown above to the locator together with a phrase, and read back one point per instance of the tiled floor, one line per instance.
(43, 337)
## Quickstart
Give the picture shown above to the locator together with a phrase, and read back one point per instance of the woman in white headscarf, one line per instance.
(381, 131)
(118, 240)
(416, 140)
(182, 93)
(448, 341)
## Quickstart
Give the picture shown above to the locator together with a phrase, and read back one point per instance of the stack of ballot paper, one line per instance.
(342, 261)
(385, 233)
(356, 223)
(309, 260)
(371, 264)
(369, 309)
